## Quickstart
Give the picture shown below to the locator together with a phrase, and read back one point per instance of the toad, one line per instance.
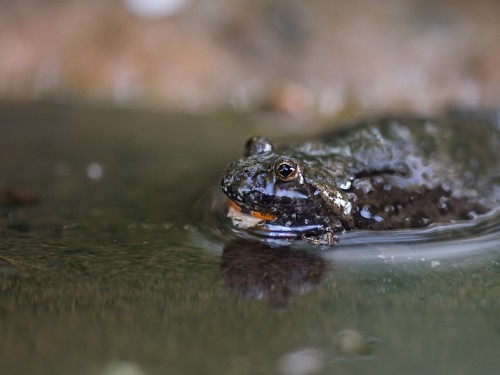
(381, 174)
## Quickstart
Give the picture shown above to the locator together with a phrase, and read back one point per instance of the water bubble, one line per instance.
(302, 362)
(94, 171)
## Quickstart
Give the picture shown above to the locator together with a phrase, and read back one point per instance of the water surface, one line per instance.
(116, 263)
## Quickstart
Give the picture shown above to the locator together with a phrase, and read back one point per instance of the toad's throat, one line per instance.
(258, 215)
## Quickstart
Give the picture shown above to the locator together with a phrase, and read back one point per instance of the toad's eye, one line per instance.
(257, 145)
(286, 169)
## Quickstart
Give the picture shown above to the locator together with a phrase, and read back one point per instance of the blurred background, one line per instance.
(294, 57)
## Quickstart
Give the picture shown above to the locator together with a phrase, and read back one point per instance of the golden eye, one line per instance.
(286, 170)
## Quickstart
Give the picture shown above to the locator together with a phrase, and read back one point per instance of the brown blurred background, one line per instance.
(320, 56)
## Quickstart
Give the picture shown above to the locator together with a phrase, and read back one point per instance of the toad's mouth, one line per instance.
(256, 214)
(265, 225)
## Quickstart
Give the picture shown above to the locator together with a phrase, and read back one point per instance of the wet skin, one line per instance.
(383, 174)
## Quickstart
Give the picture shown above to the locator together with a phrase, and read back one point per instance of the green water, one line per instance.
(117, 270)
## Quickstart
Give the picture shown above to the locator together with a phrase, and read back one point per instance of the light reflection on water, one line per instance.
(480, 238)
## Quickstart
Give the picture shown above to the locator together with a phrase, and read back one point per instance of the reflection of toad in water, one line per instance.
(253, 269)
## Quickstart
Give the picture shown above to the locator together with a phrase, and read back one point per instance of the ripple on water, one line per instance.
(436, 245)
